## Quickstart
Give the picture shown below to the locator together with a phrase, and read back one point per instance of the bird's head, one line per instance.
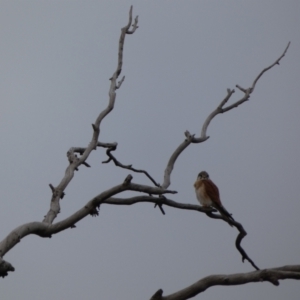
(203, 175)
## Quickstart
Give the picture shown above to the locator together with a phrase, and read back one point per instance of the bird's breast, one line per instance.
(201, 194)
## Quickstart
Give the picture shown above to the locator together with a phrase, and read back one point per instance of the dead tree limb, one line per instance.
(190, 138)
(267, 275)
(239, 238)
(43, 229)
(75, 162)
(128, 167)
(209, 211)
(47, 228)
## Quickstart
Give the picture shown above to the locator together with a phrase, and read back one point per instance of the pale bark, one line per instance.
(270, 275)
(190, 138)
(77, 156)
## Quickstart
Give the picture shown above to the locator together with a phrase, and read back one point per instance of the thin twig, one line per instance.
(128, 167)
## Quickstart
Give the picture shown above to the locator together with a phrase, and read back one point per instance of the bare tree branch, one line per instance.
(209, 211)
(270, 275)
(47, 228)
(203, 137)
(75, 162)
(128, 167)
(240, 236)
(219, 110)
(156, 200)
(112, 147)
(167, 174)
(43, 229)
(271, 66)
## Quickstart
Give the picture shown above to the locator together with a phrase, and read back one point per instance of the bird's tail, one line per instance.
(225, 214)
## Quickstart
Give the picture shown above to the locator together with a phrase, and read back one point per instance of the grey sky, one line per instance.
(56, 59)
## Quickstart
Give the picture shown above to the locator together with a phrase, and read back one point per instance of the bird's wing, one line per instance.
(212, 192)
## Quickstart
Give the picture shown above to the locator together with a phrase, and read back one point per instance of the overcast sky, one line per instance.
(56, 59)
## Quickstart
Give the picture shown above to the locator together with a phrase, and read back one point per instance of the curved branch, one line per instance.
(271, 66)
(239, 238)
(167, 174)
(43, 229)
(270, 275)
(219, 110)
(128, 167)
(207, 210)
(75, 162)
(46, 230)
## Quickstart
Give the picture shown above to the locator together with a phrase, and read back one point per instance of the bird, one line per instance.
(208, 195)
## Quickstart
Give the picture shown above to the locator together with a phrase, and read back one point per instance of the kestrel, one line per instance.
(208, 195)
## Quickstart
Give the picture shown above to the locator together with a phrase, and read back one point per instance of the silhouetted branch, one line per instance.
(240, 236)
(5, 267)
(209, 211)
(128, 167)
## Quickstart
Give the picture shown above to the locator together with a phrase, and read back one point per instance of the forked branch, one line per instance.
(128, 167)
(43, 229)
(190, 138)
(75, 162)
(47, 228)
